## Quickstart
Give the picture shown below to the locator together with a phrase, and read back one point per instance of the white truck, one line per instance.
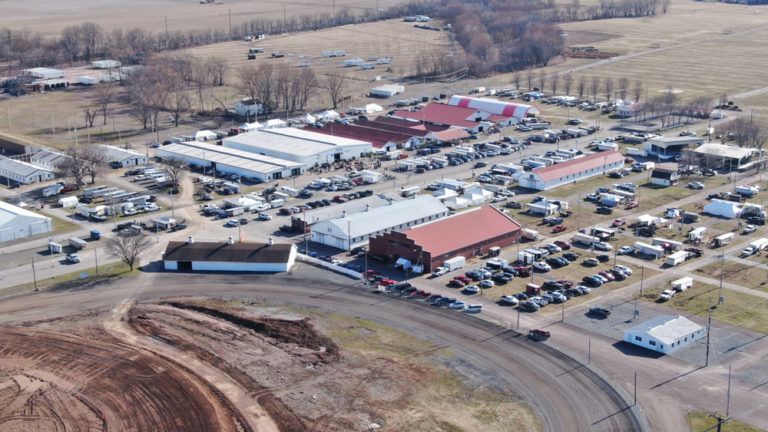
(666, 294)
(682, 284)
(585, 239)
(530, 234)
(410, 191)
(87, 212)
(455, 263)
(632, 151)
(53, 190)
(754, 247)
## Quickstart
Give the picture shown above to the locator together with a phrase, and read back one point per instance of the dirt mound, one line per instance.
(297, 332)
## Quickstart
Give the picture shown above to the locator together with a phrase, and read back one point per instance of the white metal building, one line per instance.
(231, 160)
(299, 145)
(229, 256)
(670, 147)
(48, 159)
(44, 73)
(571, 171)
(665, 334)
(105, 64)
(24, 172)
(355, 229)
(126, 157)
(16, 223)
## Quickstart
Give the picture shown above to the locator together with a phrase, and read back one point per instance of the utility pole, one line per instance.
(720, 298)
(229, 11)
(96, 257)
(709, 329)
(34, 275)
(634, 403)
(589, 351)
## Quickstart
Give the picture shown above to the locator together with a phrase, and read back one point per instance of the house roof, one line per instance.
(408, 129)
(450, 134)
(663, 173)
(721, 150)
(388, 216)
(336, 211)
(377, 137)
(667, 328)
(118, 154)
(299, 142)
(502, 109)
(224, 252)
(464, 229)
(595, 160)
(442, 114)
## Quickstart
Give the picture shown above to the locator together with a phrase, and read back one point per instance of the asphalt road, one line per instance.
(566, 395)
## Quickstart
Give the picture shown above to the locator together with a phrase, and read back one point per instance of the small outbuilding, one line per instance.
(665, 334)
(664, 176)
(16, 223)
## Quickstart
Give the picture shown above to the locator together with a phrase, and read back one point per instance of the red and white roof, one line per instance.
(578, 165)
(494, 106)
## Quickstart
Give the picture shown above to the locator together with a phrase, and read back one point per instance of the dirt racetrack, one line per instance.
(51, 381)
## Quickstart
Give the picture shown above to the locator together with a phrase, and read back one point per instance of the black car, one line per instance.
(513, 205)
(570, 256)
(603, 258)
(599, 312)
(592, 281)
(756, 220)
(604, 210)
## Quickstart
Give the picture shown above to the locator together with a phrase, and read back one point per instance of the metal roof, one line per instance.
(300, 142)
(8, 212)
(225, 252)
(462, 230)
(667, 328)
(721, 150)
(20, 168)
(118, 154)
(577, 165)
(228, 156)
(390, 216)
(336, 210)
(47, 157)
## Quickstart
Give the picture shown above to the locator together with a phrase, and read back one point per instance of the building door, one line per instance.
(184, 266)
(337, 157)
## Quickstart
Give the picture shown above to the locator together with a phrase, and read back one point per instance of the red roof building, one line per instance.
(467, 234)
(572, 171)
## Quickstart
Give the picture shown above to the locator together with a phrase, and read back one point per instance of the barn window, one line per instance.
(638, 338)
(653, 343)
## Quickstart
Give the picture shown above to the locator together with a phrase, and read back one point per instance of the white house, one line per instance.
(355, 229)
(299, 145)
(24, 172)
(572, 171)
(16, 223)
(248, 108)
(122, 156)
(665, 334)
(229, 256)
(664, 176)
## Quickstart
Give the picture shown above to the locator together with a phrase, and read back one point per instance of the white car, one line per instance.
(625, 250)
(151, 207)
(486, 284)
(624, 269)
(749, 229)
(603, 246)
(129, 212)
(509, 300)
(541, 266)
(696, 185)
(470, 289)
(233, 223)
(439, 271)
(602, 278)
(457, 305)
(264, 217)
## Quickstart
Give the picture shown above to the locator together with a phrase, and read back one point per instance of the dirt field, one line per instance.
(64, 374)
(50, 17)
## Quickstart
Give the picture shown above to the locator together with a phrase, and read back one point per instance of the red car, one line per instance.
(608, 276)
(618, 222)
(558, 229)
(456, 283)
(523, 271)
(369, 273)
(387, 282)
(537, 334)
(463, 279)
(564, 245)
(630, 205)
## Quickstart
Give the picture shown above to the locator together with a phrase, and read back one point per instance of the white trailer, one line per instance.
(676, 258)
(530, 234)
(723, 239)
(77, 243)
(53, 190)
(631, 151)
(356, 61)
(290, 191)
(585, 239)
(54, 248)
(682, 284)
(754, 247)
(86, 211)
(410, 191)
(655, 252)
(696, 234)
(455, 263)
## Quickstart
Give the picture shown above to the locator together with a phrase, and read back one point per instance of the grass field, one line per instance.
(739, 309)
(700, 421)
(73, 280)
(740, 274)
(49, 17)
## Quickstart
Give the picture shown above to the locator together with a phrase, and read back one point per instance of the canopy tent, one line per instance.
(205, 135)
(721, 208)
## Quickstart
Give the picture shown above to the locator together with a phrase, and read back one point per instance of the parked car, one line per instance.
(591, 262)
(603, 246)
(696, 185)
(624, 250)
(570, 256)
(541, 266)
(538, 335)
(624, 269)
(592, 281)
(264, 217)
(233, 223)
(563, 245)
(600, 312)
(604, 210)
(439, 271)
(509, 300)
(558, 229)
(471, 289)
(72, 259)
(749, 229)
(603, 258)
(487, 284)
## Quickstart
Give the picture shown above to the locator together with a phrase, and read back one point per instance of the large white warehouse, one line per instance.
(24, 172)
(355, 229)
(123, 157)
(299, 145)
(231, 161)
(16, 223)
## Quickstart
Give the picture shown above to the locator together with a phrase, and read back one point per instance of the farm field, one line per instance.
(50, 17)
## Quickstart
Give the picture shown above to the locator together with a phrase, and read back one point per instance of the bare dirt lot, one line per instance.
(307, 371)
(50, 17)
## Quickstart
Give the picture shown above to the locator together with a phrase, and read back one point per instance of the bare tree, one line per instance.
(608, 85)
(567, 83)
(105, 94)
(91, 35)
(174, 167)
(335, 85)
(595, 86)
(637, 90)
(542, 80)
(581, 86)
(71, 42)
(554, 83)
(90, 116)
(529, 79)
(516, 80)
(74, 166)
(93, 158)
(217, 70)
(128, 248)
(623, 88)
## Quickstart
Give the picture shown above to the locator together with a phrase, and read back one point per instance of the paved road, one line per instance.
(566, 395)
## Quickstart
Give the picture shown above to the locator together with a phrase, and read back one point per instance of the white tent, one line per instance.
(327, 115)
(444, 193)
(274, 123)
(456, 202)
(248, 127)
(721, 208)
(205, 135)
(308, 118)
(477, 195)
(373, 108)
(647, 219)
